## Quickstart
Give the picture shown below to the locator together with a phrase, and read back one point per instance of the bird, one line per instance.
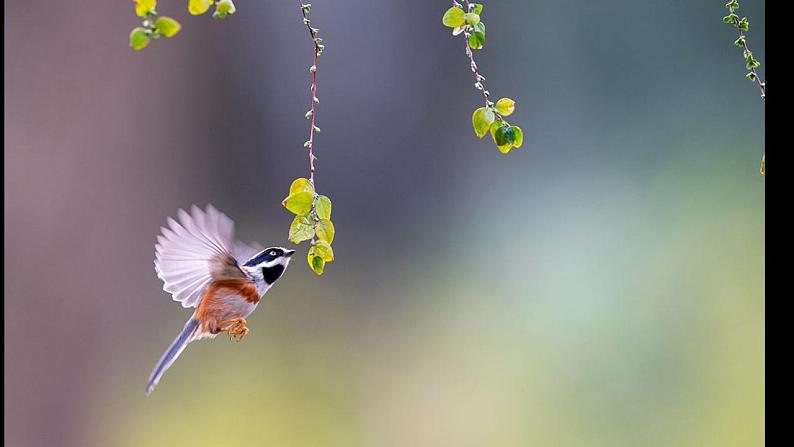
(203, 267)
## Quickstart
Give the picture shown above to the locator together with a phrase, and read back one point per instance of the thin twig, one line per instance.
(478, 77)
(756, 77)
(317, 50)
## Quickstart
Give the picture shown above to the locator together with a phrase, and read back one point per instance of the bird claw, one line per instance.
(237, 330)
(239, 333)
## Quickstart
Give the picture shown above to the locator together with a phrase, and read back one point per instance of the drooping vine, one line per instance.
(466, 21)
(750, 62)
(312, 211)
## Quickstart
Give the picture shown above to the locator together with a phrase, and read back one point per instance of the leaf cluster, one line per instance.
(491, 119)
(470, 22)
(153, 27)
(312, 222)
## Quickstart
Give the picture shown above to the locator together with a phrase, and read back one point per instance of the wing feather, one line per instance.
(243, 252)
(195, 226)
(194, 251)
(209, 225)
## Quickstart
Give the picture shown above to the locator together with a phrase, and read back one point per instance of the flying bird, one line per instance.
(203, 267)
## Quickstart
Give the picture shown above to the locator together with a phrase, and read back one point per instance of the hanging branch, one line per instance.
(750, 62)
(490, 117)
(318, 49)
(312, 211)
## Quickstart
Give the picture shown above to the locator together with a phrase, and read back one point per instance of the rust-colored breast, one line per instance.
(223, 299)
(242, 287)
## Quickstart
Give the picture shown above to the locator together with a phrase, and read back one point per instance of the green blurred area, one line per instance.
(602, 324)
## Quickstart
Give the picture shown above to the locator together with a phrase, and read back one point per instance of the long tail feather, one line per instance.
(173, 351)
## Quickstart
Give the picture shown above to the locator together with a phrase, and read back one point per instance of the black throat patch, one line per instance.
(271, 274)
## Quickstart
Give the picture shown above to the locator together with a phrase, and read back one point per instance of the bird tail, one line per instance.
(173, 351)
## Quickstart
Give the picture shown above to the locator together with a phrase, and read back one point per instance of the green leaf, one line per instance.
(323, 207)
(477, 8)
(518, 136)
(167, 26)
(505, 106)
(318, 255)
(740, 42)
(494, 126)
(731, 18)
(144, 7)
(471, 18)
(323, 249)
(477, 37)
(225, 7)
(454, 17)
(301, 229)
(743, 24)
(139, 38)
(300, 185)
(325, 230)
(198, 7)
(504, 135)
(299, 203)
(481, 120)
(316, 263)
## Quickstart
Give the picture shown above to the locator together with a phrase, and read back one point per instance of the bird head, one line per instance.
(269, 264)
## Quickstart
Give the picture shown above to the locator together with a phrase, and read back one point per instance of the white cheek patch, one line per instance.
(270, 263)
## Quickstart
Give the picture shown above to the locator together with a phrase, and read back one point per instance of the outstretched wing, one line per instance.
(195, 251)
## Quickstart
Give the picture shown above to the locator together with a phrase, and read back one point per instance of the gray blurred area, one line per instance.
(601, 286)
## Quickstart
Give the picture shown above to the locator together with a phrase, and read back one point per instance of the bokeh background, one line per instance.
(601, 286)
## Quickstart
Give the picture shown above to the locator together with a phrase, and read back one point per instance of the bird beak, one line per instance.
(289, 253)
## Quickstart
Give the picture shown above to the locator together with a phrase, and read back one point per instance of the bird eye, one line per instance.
(273, 253)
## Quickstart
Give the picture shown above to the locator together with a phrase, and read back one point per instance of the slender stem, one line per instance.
(756, 78)
(478, 77)
(312, 121)
(317, 50)
(748, 56)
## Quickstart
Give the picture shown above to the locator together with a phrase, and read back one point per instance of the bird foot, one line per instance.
(237, 329)
(239, 334)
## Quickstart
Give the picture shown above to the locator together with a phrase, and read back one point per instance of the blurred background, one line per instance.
(601, 286)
